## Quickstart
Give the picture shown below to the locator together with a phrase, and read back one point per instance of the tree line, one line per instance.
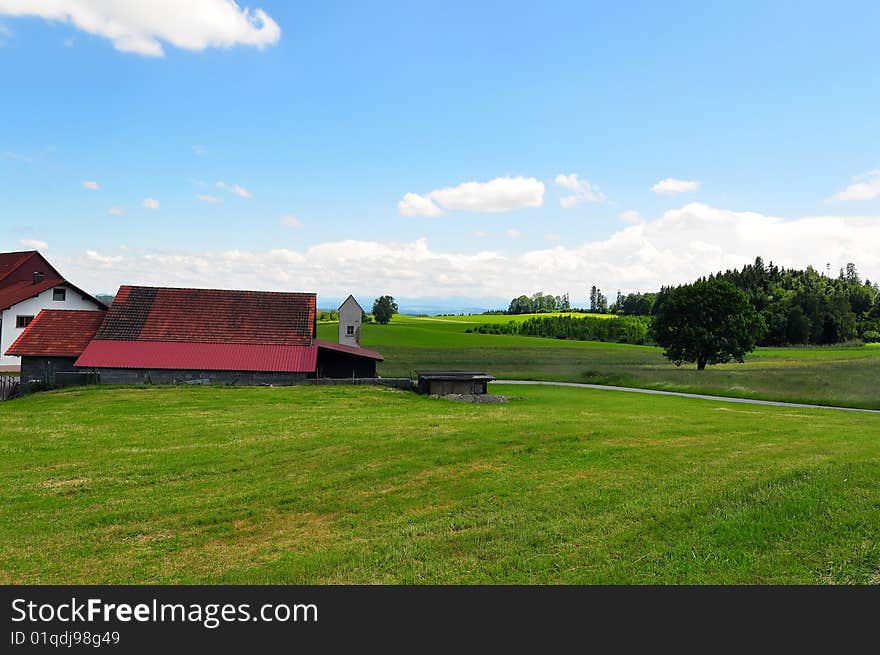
(808, 307)
(797, 307)
(620, 329)
(537, 303)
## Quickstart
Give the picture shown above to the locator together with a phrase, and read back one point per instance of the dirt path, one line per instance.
(700, 396)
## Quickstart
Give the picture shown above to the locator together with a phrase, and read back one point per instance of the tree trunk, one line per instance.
(701, 363)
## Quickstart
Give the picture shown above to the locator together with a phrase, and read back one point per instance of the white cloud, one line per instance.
(116, 211)
(866, 187)
(499, 195)
(582, 191)
(479, 234)
(552, 237)
(103, 261)
(34, 244)
(199, 151)
(91, 185)
(671, 186)
(513, 233)
(291, 221)
(213, 200)
(631, 216)
(140, 26)
(412, 204)
(234, 188)
(150, 203)
(680, 246)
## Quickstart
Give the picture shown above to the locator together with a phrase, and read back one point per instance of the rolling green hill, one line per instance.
(831, 375)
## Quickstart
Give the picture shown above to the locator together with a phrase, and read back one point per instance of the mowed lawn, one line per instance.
(837, 375)
(371, 485)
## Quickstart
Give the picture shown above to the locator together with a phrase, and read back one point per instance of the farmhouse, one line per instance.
(28, 285)
(165, 335)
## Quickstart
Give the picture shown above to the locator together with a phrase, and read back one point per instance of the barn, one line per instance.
(50, 345)
(162, 335)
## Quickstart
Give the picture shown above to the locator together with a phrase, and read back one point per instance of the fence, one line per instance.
(8, 386)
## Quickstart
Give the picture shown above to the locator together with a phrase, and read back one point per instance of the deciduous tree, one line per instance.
(708, 322)
(384, 308)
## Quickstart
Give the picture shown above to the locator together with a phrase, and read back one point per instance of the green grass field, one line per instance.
(837, 375)
(369, 485)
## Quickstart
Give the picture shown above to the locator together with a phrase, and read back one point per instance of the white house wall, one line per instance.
(31, 307)
(350, 313)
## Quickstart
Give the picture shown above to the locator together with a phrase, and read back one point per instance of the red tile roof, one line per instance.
(57, 333)
(210, 316)
(362, 352)
(14, 293)
(199, 356)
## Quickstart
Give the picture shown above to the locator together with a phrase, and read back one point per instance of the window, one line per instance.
(349, 330)
(23, 321)
(59, 294)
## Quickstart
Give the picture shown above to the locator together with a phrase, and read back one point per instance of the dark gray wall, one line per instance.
(43, 369)
(445, 387)
(244, 378)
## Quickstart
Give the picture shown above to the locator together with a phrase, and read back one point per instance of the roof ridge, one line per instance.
(286, 293)
(71, 311)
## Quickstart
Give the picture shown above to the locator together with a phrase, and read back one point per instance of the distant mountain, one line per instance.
(427, 304)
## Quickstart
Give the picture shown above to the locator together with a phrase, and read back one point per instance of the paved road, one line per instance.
(655, 392)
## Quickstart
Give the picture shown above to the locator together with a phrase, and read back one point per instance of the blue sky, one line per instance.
(770, 109)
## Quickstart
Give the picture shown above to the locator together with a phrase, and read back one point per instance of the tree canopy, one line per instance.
(807, 307)
(707, 322)
(384, 307)
(538, 302)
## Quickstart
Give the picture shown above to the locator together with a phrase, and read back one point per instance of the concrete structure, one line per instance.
(444, 383)
(350, 317)
(28, 285)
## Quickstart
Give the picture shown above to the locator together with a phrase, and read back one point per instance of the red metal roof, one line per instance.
(176, 355)
(58, 333)
(362, 352)
(210, 316)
